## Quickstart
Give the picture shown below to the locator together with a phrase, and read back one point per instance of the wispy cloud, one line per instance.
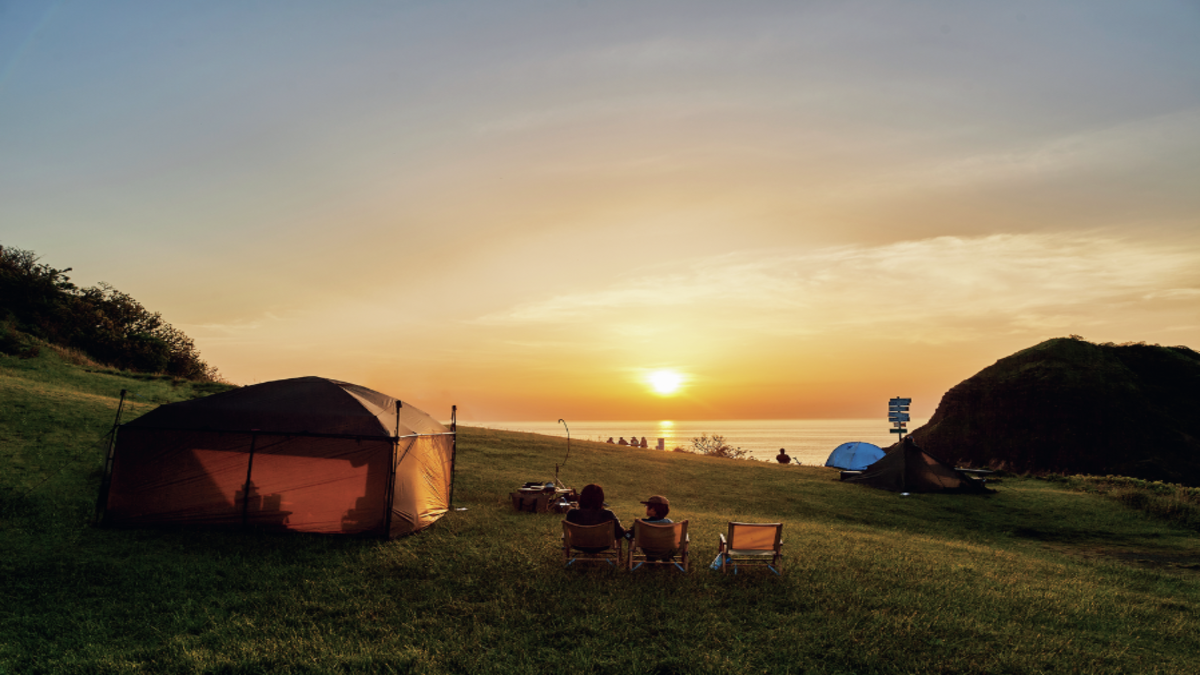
(941, 289)
(1132, 143)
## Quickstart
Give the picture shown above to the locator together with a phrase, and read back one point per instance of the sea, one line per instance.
(806, 441)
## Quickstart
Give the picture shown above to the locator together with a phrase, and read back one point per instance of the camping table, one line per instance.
(539, 500)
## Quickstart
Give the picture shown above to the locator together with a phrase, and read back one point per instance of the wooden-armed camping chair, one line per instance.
(591, 543)
(655, 544)
(752, 544)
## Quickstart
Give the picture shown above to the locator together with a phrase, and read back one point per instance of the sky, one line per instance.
(616, 210)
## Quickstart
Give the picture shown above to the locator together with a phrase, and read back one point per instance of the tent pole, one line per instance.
(391, 489)
(106, 477)
(453, 449)
(247, 486)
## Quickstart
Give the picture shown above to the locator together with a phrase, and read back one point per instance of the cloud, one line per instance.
(1133, 143)
(941, 289)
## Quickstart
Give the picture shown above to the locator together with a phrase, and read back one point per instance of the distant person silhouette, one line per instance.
(782, 457)
(622, 441)
(610, 440)
(644, 441)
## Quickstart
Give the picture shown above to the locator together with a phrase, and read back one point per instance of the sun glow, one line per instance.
(665, 382)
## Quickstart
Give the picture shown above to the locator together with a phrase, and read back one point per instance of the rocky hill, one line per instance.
(1070, 406)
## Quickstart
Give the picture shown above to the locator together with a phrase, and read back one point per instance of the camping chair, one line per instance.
(654, 544)
(600, 541)
(752, 544)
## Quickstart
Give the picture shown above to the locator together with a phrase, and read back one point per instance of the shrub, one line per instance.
(16, 343)
(1167, 501)
(715, 446)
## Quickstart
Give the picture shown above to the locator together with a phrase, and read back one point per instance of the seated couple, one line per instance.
(591, 511)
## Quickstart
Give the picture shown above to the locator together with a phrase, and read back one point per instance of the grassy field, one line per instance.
(1040, 577)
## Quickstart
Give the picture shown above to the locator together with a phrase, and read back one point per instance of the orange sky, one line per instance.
(803, 209)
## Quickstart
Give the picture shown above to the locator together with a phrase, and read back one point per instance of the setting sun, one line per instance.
(665, 382)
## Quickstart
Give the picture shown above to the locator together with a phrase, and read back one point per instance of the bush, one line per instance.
(15, 343)
(1167, 501)
(715, 446)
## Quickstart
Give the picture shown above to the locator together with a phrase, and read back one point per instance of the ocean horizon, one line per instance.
(806, 441)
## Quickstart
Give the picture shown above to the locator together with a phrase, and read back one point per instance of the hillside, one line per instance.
(1034, 578)
(1069, 406)
(39, 305)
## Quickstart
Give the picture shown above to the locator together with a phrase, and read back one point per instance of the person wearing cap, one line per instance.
(657, 508)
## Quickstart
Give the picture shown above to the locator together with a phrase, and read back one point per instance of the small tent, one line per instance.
(908, 468)
(306, 454)
(854, 456)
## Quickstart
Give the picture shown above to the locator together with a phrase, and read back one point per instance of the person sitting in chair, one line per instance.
(591, 511)
(657, 508)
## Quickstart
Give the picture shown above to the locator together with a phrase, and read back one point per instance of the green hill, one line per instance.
(1070, 406)
(1038, 577)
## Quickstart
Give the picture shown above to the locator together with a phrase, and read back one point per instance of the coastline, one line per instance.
(808, 441)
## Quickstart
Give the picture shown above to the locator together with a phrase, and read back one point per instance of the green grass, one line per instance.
(1036, 578)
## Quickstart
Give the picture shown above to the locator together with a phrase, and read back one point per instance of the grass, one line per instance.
(1037, 578)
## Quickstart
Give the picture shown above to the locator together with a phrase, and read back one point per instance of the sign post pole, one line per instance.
(898, 415)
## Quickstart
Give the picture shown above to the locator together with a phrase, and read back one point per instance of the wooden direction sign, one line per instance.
(898, 415)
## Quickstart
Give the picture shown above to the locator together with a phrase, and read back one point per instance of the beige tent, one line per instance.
(306, 454)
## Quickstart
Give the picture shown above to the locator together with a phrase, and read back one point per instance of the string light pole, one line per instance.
(557, 482)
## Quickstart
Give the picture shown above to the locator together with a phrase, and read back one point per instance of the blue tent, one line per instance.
(854, 456)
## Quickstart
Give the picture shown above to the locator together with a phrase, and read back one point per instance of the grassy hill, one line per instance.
(1038, 577)
(1068, 405)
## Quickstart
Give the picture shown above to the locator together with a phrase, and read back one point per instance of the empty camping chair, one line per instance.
(752, 544)
(653, 544)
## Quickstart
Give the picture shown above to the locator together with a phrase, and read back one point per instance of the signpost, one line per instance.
(898, 415)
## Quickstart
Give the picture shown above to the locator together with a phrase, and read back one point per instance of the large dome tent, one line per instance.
(854, 456)
(306, 454)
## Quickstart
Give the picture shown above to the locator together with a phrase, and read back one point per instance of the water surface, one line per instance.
(809, 441)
